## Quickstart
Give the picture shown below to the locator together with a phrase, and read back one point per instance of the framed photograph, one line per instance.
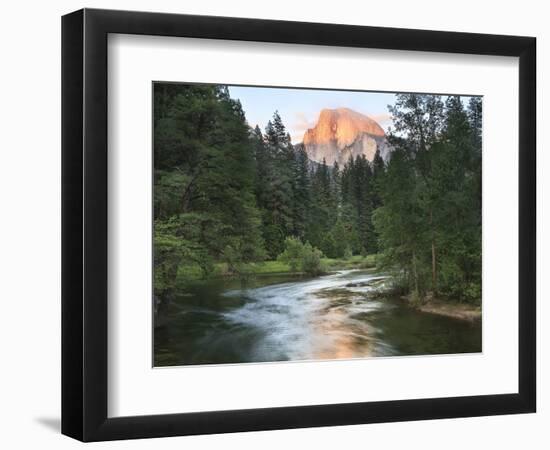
(273, 224)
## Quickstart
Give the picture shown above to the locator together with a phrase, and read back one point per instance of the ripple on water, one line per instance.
(330, 317)
(311, 319)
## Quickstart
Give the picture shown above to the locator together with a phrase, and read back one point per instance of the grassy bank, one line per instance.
(355, 262)
(328, 264)
(449, 308)
(189, 273)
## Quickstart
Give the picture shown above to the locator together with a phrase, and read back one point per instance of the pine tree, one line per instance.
(420, 118)
(205, 208)
(474, 116)
(320, 217)
(227, 193)
(374, 196)
(398, 221)
(279, 208)
(429, 222)
(302, 197)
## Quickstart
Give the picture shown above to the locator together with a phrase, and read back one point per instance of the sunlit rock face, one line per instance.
(342, 133)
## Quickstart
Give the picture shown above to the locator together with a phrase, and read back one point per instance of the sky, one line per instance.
(299, 108)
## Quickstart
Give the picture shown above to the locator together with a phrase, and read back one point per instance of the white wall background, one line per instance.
(30, 224)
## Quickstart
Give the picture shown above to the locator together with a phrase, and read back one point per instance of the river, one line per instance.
(283, 318)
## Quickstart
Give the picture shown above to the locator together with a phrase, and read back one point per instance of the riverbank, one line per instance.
(460, 311)
(447, 308)
(328, 265)
(187, 273)
(287, 317)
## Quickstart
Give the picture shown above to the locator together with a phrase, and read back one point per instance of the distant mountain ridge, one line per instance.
(341, 133)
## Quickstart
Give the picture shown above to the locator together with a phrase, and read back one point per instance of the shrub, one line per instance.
(301, 256)
(347, 252)
(311, 260)
(292, 254)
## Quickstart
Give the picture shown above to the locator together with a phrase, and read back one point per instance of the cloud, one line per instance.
(381, 118)
(300, 125)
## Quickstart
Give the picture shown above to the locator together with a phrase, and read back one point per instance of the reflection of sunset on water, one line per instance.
(339, 336)
(313, 319)
(332, 317)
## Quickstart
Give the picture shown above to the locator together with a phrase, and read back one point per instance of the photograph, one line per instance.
(275, 225)
(310, 224)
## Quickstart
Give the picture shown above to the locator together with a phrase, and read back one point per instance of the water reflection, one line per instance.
(330, 317)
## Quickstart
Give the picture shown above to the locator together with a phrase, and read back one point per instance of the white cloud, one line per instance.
(302, 122)
(381, 118)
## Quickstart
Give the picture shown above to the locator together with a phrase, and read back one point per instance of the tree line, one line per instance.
(429, 221)
(224, 192)
(328, 207)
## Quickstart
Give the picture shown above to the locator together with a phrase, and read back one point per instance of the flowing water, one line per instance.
(287, 318)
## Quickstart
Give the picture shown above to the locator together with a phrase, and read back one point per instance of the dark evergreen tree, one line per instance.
(430, 219)
(302, 195)
(205, 208)
(398, 222)
(226, 193)
(474, 116)
(278, 205)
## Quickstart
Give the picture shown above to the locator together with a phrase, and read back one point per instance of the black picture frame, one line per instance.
(84, 224)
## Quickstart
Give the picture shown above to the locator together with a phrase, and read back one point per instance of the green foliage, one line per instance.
(169, 192)
(353, 262)
(347, 253)
(276, 185)
(228, 197)
(429, 218)
(359, 199)
(177, 243)
(311, 260)
(329, 207)
(292, 254)
(301, 256)
(204, 201)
